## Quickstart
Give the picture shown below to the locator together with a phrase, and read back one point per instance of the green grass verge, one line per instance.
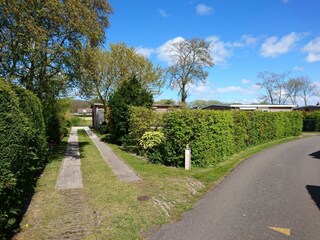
(120, 215)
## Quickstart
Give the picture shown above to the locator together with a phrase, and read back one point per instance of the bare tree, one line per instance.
(293, 89)
(308, 89)
(189, 58)
(274, 85)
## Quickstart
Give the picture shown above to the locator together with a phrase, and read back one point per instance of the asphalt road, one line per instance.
(279, 187)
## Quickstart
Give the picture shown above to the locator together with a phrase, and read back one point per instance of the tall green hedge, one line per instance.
(208, 133)
(22, 150)
(215, 135)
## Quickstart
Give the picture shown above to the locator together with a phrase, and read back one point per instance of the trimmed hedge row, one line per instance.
(209, 134)
(215, 135)
(22, 150)
(253, 128)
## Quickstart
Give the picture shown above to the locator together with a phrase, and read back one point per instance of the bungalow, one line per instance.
(165, 107)
(252, 107)
(309, 108)
(84, 111)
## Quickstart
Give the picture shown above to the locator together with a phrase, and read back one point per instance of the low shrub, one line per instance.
(150, 140)
(142, 120)
(103, 128)
(73, 121)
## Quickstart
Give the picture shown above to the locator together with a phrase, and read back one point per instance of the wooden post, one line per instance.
(187, 158)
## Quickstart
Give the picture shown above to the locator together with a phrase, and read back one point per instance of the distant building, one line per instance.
(310, 108)
(98, 111)
(165, 107)
(84, 111)
(252, 107)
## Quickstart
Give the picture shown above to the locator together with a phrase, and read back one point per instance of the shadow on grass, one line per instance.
(81, 148)
(314, 192)
(55, 154)
(82, 145)
(105, 137)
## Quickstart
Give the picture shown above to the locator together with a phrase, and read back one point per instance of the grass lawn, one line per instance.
(112, 209)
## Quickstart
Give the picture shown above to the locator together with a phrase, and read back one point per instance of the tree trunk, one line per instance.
(183, 95)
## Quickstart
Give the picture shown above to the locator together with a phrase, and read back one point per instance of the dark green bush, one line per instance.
(56, 113)
(311, 121)
(22, 151)
(31, 106)
(103, 128)
(130, 93)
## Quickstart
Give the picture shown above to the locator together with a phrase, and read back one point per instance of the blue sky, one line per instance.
(248, 36)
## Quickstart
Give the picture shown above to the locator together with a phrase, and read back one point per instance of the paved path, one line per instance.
(117, 165)
(70, 174)
(279, 187)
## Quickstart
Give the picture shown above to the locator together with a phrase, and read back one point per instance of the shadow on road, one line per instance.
(315, 154)
(314, 192)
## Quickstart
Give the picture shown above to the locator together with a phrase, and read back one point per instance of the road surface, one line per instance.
(272, 196)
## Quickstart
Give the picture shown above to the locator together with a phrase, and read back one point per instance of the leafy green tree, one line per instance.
(129, 93)
(40, 42)
(189, 59)
(202, 103)
(104, 71)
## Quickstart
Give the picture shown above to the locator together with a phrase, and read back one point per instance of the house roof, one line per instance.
(166, 105)
(308, 107)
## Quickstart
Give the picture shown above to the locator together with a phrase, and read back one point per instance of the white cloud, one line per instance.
(245, 81)
(229, 89)
(313, 57)
(219, 50)
(145, 51)
(163, 13)
(273, 46)
(313, 50)
(163, 53)
(298, 69)
(199, 90)
(202, 9)
(249, 90)
(245, 40)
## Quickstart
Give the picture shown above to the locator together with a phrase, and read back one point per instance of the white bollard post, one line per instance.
(187, 158)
